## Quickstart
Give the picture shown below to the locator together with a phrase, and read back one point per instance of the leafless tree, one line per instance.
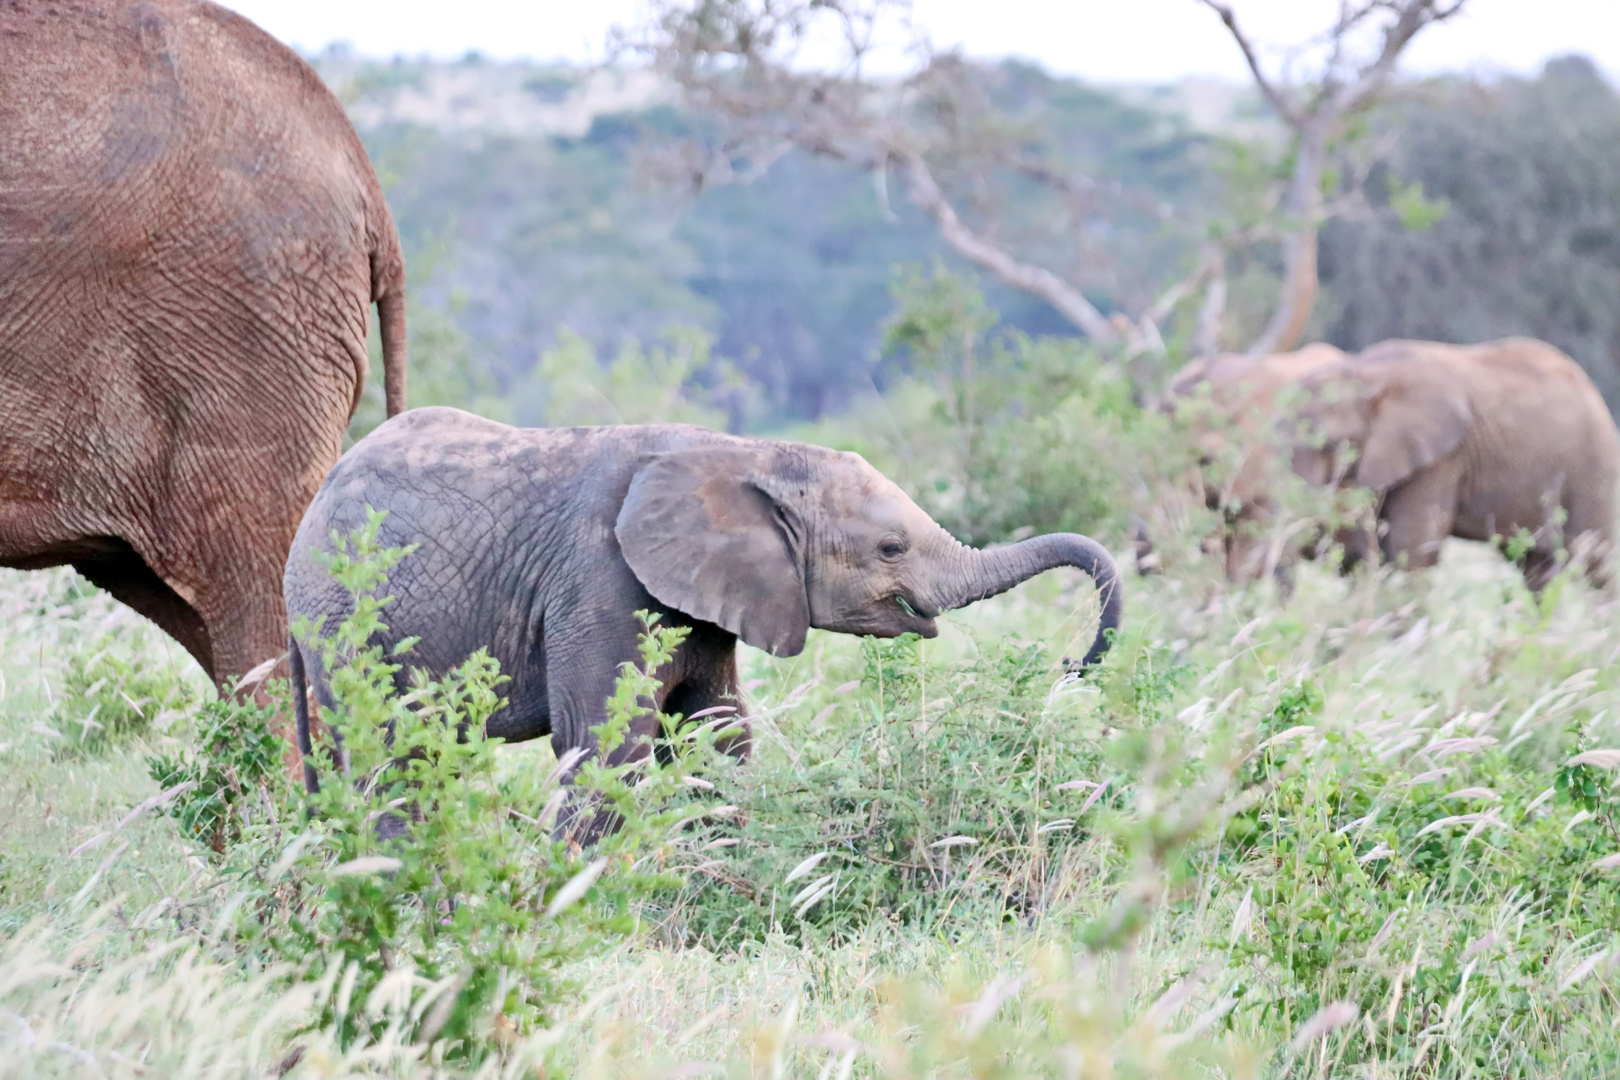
(780, 75)
(1317, 111)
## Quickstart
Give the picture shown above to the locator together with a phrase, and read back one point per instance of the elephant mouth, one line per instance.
(915, 621)
(912, 610)
(887, 617)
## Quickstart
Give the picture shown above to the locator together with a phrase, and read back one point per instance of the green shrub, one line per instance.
(109, 697)
(999, 435)
(422, 890)
(926, 793)
(677, 381)
(234, 779)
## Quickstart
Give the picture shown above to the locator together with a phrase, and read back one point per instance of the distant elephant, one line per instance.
(1249, 399)
(1478, 442)
(542, 544)
(1238, 376)
(190, 237)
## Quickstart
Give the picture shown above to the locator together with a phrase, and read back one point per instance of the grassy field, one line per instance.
(1342, 833)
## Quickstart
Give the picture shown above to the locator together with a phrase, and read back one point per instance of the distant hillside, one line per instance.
(521, 98)
(524, 212)
(1210, 105)
(517, 184)
(484, 96)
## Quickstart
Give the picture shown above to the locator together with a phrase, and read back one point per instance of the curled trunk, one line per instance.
(975, 575)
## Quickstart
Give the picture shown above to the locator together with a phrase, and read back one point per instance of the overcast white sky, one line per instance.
(1103, 40)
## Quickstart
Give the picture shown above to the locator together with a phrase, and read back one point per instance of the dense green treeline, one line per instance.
(1528, 171)
(522, 235)
(1473, 210)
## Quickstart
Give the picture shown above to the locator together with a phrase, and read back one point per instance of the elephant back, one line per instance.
(174, 181)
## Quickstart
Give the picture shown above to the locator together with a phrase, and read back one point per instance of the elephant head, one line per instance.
(770, 539)
(1251, 413)
(1370, 420)
(1397, 414)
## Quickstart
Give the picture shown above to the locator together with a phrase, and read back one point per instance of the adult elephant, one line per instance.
(542, 545)
(190, 238)
(1480, 442)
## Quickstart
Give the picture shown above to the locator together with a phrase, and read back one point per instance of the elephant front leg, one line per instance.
(699, 684)
(704, 689)
(1417, 517)
(580, 674)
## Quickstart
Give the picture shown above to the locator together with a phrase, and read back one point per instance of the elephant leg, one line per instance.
(126, 577)
(1357, 540)
(1590, 529)
(227, 557)
(578, 698)
(112, 564)
(1558, 542)
(237, 599)
(733, 735)
(706, 683)
(247, 621)
(581, 672)
(1593, 550)
(1245, 544)
(1417, 518)
(581, 668)
(1540, 567)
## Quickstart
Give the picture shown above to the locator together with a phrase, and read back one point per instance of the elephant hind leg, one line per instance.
(111, 564)
(125, 575)
(1417, 517)
(1589, 530)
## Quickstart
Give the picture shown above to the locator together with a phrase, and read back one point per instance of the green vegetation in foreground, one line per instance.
(1366, 830)
(1337, 834)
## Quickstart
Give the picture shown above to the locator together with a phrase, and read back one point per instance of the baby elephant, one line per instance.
(542, 544)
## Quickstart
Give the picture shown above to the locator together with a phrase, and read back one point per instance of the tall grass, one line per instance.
(1337, 834)
(1365, 829)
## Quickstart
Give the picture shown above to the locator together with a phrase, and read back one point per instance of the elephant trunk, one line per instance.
(976, 574)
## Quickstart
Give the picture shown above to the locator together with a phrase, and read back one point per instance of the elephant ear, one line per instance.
(704, 537)
(1415, 419)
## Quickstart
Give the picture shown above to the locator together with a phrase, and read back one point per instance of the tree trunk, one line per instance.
(1300, 282)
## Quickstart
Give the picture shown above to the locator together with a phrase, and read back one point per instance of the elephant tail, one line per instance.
(388, 292)
(300, 692)
(391, 316)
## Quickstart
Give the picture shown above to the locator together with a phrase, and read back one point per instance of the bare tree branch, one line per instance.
(1207, 336)
(1210, 260)
(1038, 280)
(736, 60)
(1272, 93)
(1339, 93)
(1413, 15)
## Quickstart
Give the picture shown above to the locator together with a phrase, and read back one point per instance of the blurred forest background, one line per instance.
(553, 249)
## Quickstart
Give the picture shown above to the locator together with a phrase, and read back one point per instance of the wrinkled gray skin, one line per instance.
(542, 544)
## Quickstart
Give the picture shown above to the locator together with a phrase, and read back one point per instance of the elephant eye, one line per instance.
(892, 549)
